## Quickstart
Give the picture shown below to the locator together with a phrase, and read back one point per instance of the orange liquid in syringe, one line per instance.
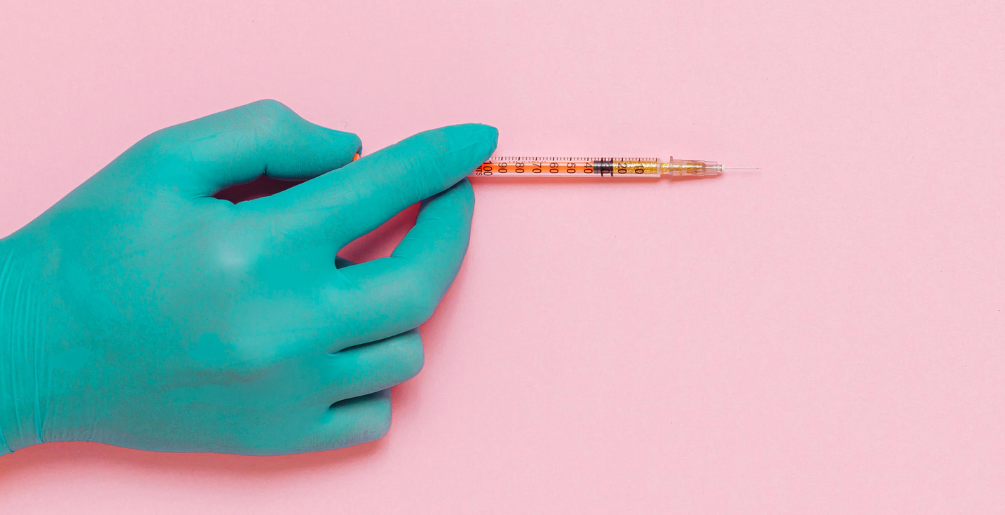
(569, 167)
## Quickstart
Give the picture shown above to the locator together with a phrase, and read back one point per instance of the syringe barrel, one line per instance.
(569, 167)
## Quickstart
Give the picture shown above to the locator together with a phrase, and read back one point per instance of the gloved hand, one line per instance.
(142, 312)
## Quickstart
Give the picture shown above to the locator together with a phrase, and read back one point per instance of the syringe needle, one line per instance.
(740, 168)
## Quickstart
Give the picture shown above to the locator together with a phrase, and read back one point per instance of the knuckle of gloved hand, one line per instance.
(236, 255)
(228, 352)
(271, 108)
(270, 116)
(253, 361)
(163, 144)
(252, 357)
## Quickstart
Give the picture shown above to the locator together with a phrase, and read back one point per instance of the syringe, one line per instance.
(634, 167)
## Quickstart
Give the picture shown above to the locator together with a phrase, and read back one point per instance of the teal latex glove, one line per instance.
(142, 312)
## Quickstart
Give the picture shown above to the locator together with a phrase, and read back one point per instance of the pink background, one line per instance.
(823, 336)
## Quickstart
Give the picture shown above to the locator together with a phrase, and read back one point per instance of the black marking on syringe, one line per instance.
(604, 165)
